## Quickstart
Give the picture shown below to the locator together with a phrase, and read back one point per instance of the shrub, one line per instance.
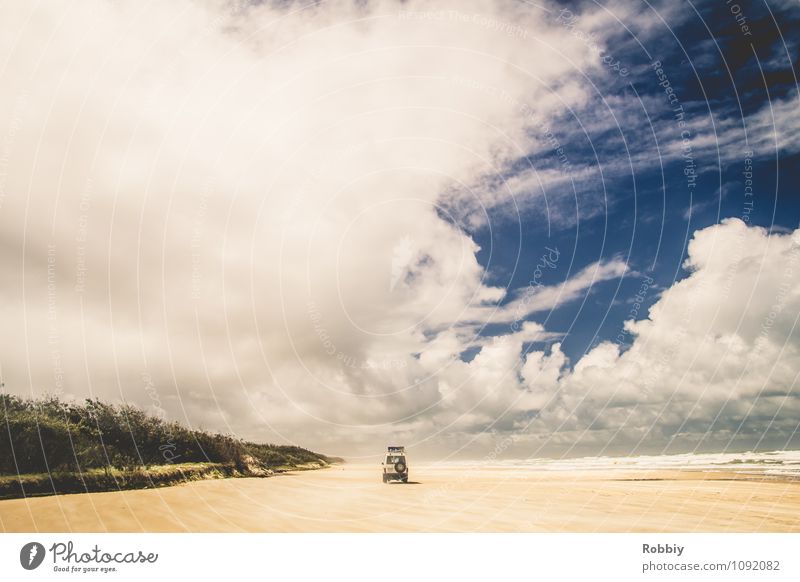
(46, 435)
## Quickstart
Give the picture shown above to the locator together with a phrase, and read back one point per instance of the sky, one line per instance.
(477, 228)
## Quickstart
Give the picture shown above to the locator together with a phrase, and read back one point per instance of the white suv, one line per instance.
(395, 466)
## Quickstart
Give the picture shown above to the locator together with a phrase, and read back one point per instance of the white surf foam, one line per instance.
(785, 463)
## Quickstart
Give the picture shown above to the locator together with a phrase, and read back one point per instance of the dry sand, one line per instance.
(352, 498)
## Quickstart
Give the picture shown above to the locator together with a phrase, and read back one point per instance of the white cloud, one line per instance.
(714, 364)
(538, 299)
(222, 193)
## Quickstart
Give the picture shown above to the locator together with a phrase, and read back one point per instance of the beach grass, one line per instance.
(53, 447)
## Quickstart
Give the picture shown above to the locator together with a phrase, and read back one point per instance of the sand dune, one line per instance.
(453, 499)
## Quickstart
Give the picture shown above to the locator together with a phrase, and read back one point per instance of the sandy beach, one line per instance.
(352, 498)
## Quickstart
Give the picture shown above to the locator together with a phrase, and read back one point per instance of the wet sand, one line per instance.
(352, 498)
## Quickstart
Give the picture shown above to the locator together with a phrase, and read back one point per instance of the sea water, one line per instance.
(785, 463)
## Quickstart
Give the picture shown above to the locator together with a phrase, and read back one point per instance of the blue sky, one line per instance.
(643, 211)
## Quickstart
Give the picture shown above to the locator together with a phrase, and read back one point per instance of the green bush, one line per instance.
(47, 435)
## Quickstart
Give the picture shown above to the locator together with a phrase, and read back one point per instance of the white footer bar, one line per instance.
(408, 557)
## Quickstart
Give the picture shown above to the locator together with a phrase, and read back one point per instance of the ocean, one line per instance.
(785, 463)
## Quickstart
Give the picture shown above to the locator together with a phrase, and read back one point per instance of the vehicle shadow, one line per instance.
(406, 483)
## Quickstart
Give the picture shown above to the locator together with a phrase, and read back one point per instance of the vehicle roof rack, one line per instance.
(396, 449)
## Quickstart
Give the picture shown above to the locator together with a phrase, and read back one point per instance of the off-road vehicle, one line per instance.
(395, 466)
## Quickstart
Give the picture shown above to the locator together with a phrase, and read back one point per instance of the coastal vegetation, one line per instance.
(50, 446)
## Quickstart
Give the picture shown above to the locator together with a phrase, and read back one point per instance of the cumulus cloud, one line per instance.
(713, 365)
(232, 211)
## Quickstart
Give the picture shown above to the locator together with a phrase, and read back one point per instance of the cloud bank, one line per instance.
(244, 217)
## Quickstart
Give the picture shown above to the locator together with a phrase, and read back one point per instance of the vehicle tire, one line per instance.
(384, 477)
(405, 479)
(399, 467)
